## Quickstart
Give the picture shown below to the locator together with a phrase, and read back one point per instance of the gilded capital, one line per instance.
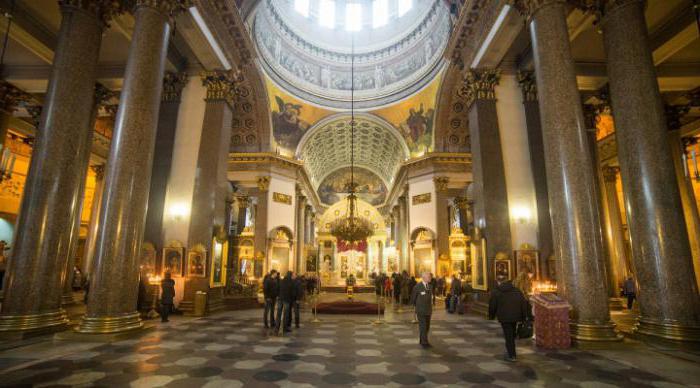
(243, 201)
(220, 84)
(99, 170)
(173, 83)
(610, 173)
(528, 85)
(105, 10)
(168, 7)
(264, 183)
(462, 203)
(479, 84)
(441, 183)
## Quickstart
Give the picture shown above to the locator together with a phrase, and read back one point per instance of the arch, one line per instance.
(283, 228)
(451, 125)
(414, 234)
(375, 217)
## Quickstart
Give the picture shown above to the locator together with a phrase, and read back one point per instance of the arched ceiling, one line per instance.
(326, 147)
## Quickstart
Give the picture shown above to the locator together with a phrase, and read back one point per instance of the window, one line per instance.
(302, 6)
(405, 6)
(380, 13)
(326, 13)
(353, 17)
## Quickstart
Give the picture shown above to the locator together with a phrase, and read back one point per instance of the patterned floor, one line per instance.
(234, 350)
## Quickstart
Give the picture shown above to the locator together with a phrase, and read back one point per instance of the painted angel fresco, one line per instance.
(418, 129)
(288, 127)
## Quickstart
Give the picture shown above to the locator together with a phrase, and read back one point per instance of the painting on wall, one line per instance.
(335, 186)
(196, 264)
(287, 125)
(172, 260)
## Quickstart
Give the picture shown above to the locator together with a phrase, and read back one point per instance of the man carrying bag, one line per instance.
(508, 304)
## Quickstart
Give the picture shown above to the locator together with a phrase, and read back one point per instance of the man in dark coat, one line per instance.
(286, 297)
(167, 293)
(455, 293)
(299, 285)
(270, 292)
(629, 289)
(508, 304)
(397, 288)
(422, 299)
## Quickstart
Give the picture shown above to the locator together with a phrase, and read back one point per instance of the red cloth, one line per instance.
(344, 246)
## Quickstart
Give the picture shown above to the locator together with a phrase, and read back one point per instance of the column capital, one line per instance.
(99, 170)
(220, 84)
(243, 201)
(607, 6)
(309, 209)
(479, 84)
(168, 7)
(528, 8)
(674, 113)
(441, 183)
(462, 203)
(105, 10)
(528, 85)
(610, 173)
(104, 95)
(173, 83)
(263, 183)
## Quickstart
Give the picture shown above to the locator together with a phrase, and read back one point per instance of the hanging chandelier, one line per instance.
(352, 228)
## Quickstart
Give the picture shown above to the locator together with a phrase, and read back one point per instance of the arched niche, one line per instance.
(422, 250)
(280, 250)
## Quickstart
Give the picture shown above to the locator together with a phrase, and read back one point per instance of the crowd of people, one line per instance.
(283, 297)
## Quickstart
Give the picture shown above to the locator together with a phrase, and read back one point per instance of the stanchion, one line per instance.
(380, 296)
(315, 308)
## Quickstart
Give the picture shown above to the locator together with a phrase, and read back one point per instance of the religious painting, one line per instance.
(527, 260)
(479, 266)
(287, 125)
(172, 260)
(196, 264)
(148, 258)
(420, 199)
(282, 198)
(369, 187)
(311, 263)
(218, 263)
(502, 270)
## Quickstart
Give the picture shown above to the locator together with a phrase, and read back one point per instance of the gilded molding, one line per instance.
(462, 203)
(528, 85)
(479, 84)
(105, 10)
(173, 83)
(219, 84)
(99, 170)
(263, 183)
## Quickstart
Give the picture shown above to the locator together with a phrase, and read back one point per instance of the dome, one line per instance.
(305, 48)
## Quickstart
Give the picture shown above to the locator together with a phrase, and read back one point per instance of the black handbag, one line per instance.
(524, 329)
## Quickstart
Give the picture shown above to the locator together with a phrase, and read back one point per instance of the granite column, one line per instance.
(570, 181)
(668, 294)
(301, 226)
(114, 280)
(93, 225)
(37, 268)
(490, 195)
(620, 263)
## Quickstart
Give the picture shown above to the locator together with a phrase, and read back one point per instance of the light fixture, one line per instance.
(179, 211)
(520, 214)
(352, 228)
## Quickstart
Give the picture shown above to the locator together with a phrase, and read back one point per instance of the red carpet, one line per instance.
(346, 307)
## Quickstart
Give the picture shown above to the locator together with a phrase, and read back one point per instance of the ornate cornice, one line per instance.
(173, 83)
(528, 85)
(441, 183)
(479, 84)
(610, 173)
(105, 10)
(99, 170)
(168, 7)
(674, 113)
(264, 183)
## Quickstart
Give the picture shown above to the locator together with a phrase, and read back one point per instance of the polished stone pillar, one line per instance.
(93, 225)
(403, 235)
(668, 294)
(301, 225)
(614, 232)
(173, 83)
(443, 217)
(52, 192)
(261, 203)
(490, 195)
(570, 181)
(685, 185)
(528, 85)
(114, 282)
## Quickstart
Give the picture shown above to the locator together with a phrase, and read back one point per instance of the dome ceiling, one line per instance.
(313, 62)
(326, 147)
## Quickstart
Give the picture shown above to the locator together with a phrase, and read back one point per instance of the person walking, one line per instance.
(422, 299)
(270, 292)
(286, 297)
(298, 297)
(167, 293)
(508, 304)
(397, 288)
(455, 293)
(433, 286)
(629, 289)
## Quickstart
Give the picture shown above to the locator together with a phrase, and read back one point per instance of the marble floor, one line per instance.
(232, 349)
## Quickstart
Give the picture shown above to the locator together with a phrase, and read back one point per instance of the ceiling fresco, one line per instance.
(336, 185)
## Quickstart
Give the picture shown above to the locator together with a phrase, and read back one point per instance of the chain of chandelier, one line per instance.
(352, 228)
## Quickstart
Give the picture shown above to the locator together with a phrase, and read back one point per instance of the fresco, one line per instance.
(414, 118)
(369, 187)
(291, 118)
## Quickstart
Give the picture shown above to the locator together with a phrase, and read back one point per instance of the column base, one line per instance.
(586, 332)
(21, 326)
(616, 304)
(67, 299)
(109, 325)
(668, 331)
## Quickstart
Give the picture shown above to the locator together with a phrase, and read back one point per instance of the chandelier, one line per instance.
(352, 228)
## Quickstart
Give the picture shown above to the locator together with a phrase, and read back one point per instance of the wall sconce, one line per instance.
(179, 211)
(520, 214)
